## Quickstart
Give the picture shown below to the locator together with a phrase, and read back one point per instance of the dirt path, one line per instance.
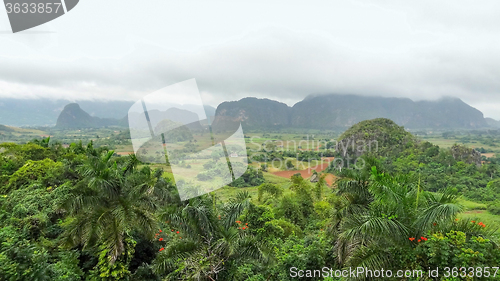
(124, 153)
(474, 212)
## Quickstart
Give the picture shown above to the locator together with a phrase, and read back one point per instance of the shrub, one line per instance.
(494, 209)
(204, 176)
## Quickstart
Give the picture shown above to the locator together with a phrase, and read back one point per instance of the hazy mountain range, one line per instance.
(45, 112)
(343, 111)
(315, 112)
(73, 116)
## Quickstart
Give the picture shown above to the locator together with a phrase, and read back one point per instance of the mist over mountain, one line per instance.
(343, 111)
(73, 117)
(5, 129)
(492, 122)
(340, 111)
(177, 115)
(44, 112)
(254, 113)
(162, 120)
(315, 112)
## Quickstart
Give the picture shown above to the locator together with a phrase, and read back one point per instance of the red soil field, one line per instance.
(330, 179)
(306, 173)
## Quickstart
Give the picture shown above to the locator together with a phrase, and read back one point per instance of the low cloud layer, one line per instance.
(419, 52)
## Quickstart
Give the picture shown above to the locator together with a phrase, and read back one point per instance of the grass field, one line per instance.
(441, 142)
(20, 135)
(470, 205)
(490, 220)
(468, 141)
(287, 141)
(228, 192)
(477, 211)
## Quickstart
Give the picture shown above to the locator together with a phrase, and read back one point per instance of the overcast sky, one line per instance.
(282, 50)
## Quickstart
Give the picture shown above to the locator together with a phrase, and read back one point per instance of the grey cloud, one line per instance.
(425, 57)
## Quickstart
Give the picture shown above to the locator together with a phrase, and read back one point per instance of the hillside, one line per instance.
(336, 111)
(44, 112)
(19, 135)
(5, 129)
(342, 111)
(380, 136)
(492, 122)
(173, 114)
(73, 117)
(253, 113)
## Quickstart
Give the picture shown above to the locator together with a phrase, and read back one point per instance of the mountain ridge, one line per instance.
(72, 116)
(325, 111)
(44, 112)
(335, 111)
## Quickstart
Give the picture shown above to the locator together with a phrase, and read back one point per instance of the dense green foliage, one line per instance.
(458, 167)
(84, 213)
(381, 137)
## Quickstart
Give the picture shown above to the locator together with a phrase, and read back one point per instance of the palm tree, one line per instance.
(353, 196)
(44, 142)
(379, 213)
(318, 187)
(211, 240)
(111, 201)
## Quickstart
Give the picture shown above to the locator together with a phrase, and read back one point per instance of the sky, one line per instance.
(282, 50)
